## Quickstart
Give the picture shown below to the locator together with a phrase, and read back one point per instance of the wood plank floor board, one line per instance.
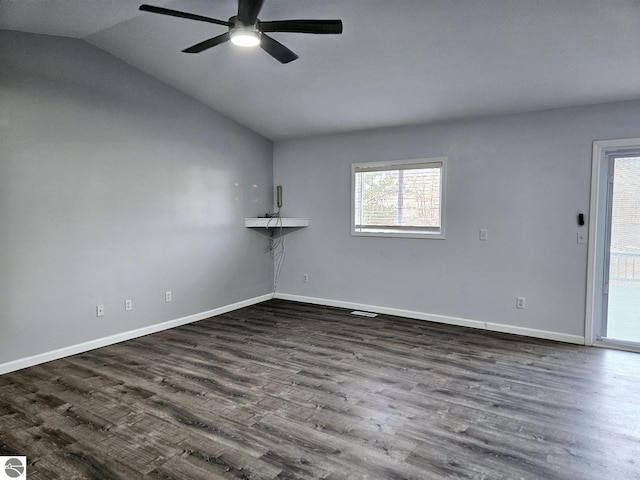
(283, 390)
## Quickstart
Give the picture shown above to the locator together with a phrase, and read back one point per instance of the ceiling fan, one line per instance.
(245, 29)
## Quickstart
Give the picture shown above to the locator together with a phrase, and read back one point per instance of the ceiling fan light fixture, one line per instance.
(245, 37)
(246, 29)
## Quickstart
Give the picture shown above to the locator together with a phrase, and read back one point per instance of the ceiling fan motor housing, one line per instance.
(244, 34)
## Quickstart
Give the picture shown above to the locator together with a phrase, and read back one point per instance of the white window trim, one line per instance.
(425, 234)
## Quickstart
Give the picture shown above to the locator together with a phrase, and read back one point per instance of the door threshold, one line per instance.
(618, 344)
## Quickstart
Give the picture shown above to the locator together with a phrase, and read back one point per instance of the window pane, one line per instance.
(379, 197)
(421, 198)
(408, 197)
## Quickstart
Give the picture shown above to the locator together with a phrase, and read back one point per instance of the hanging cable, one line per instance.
(276, 248)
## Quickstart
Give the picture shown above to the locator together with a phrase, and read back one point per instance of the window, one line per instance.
(399, 199)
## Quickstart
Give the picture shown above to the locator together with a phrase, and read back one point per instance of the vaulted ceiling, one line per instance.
(397, 63)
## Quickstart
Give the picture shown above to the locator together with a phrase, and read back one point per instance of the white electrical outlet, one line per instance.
(521, 303)
(484, 234)
(305, 278)
(167, 296)
(100, 311)
(582, 237)
(128, 305)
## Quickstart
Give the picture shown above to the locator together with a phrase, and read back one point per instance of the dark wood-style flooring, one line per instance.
(287, 390)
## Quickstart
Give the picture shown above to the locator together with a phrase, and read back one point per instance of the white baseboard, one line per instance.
(462, 322)
(532, 332)
(140, 332)
(121, 337)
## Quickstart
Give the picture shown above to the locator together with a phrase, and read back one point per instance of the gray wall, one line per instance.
(114, 186)
(523, 177)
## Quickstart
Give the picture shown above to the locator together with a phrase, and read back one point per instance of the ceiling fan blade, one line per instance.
(303, 26)
(212, 42)
(276, 49)
(248, 10)
(176, 13)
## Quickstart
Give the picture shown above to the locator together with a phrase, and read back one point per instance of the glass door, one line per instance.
(621, 295)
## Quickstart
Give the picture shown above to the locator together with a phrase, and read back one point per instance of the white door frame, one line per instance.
(597, 227)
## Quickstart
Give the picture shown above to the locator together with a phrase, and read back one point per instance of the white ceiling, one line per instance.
(398, 62)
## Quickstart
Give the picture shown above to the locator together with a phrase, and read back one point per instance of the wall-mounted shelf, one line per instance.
(275, 222)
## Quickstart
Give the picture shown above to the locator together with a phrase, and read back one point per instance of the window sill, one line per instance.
(399, 234)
